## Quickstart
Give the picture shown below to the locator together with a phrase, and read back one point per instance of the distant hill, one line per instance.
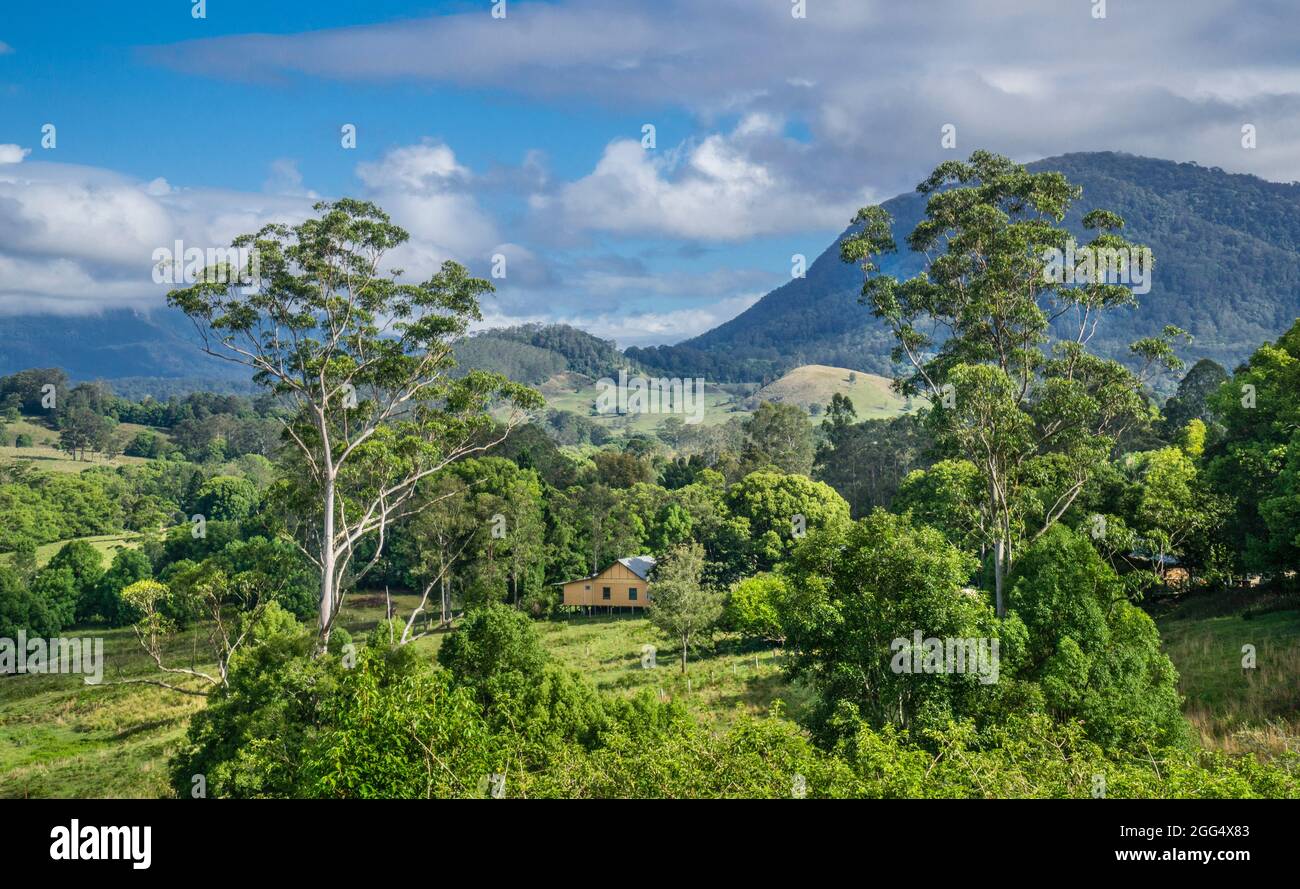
(114, 344)
(582, 352)
(1227, 250)
(520, 362)
(814, 384)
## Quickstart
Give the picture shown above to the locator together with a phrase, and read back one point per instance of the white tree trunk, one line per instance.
(327, 564)
(999, 569)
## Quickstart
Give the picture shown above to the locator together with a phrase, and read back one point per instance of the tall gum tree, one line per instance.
(363, 361)
(1001, 347)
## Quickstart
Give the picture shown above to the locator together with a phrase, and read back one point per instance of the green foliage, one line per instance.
(582, 352)
(21, 610)
(619, 469)
(57, 592)
(85, 566)
(365, 361)
(1095, 655)
(948, 497)
(495, 648)
(294, 726)
(754, 607)
(854, 590)
(273, 566)
(771, 504)
(519, 361)
(43, 507)
(1171, 509)
(680, 605)
(1036, 414)
(226, 499)
(1192, 400)
(867, 462)
(128, 567)
(1255, 464)
(778, 437)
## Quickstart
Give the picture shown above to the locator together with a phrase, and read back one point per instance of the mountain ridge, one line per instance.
(1231, 237)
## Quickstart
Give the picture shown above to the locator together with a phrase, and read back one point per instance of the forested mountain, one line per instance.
(1226, 246)
(157, 353)
(114, 344)
(519, 361)
(530, 353)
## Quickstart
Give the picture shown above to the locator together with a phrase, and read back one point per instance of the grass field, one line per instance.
(576, 393)
(814, 384)
(45, 453)
(62, 738)
(722, 680)
(107, 544)
(1233, 708)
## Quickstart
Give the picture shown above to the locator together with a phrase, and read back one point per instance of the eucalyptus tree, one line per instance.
(681, 606)
(996, 332)
(364, 361)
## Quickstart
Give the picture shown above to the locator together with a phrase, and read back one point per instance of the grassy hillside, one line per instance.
(1232, 708)
(814, 384)
(45, 453)
(719, 685)
(107, 545)
(576, 393)
(62, 738)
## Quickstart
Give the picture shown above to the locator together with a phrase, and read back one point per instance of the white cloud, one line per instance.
(427, 192)
(424, 167)
(13, 154)
(637, 328)
(286, 179)
(83, 237)
(874, 81)
(715, 190)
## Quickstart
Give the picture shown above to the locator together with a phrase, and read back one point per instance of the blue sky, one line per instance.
(521, 135)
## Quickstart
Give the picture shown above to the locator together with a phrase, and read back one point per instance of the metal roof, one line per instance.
(639, 565)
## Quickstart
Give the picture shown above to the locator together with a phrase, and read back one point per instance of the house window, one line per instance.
(631, 594)
(604, 592)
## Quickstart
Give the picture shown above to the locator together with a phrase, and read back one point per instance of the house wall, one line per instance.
(618, 577)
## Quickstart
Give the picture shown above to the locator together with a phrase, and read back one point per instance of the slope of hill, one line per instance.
(577, 393)
(1227, 250)
(814, 384)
